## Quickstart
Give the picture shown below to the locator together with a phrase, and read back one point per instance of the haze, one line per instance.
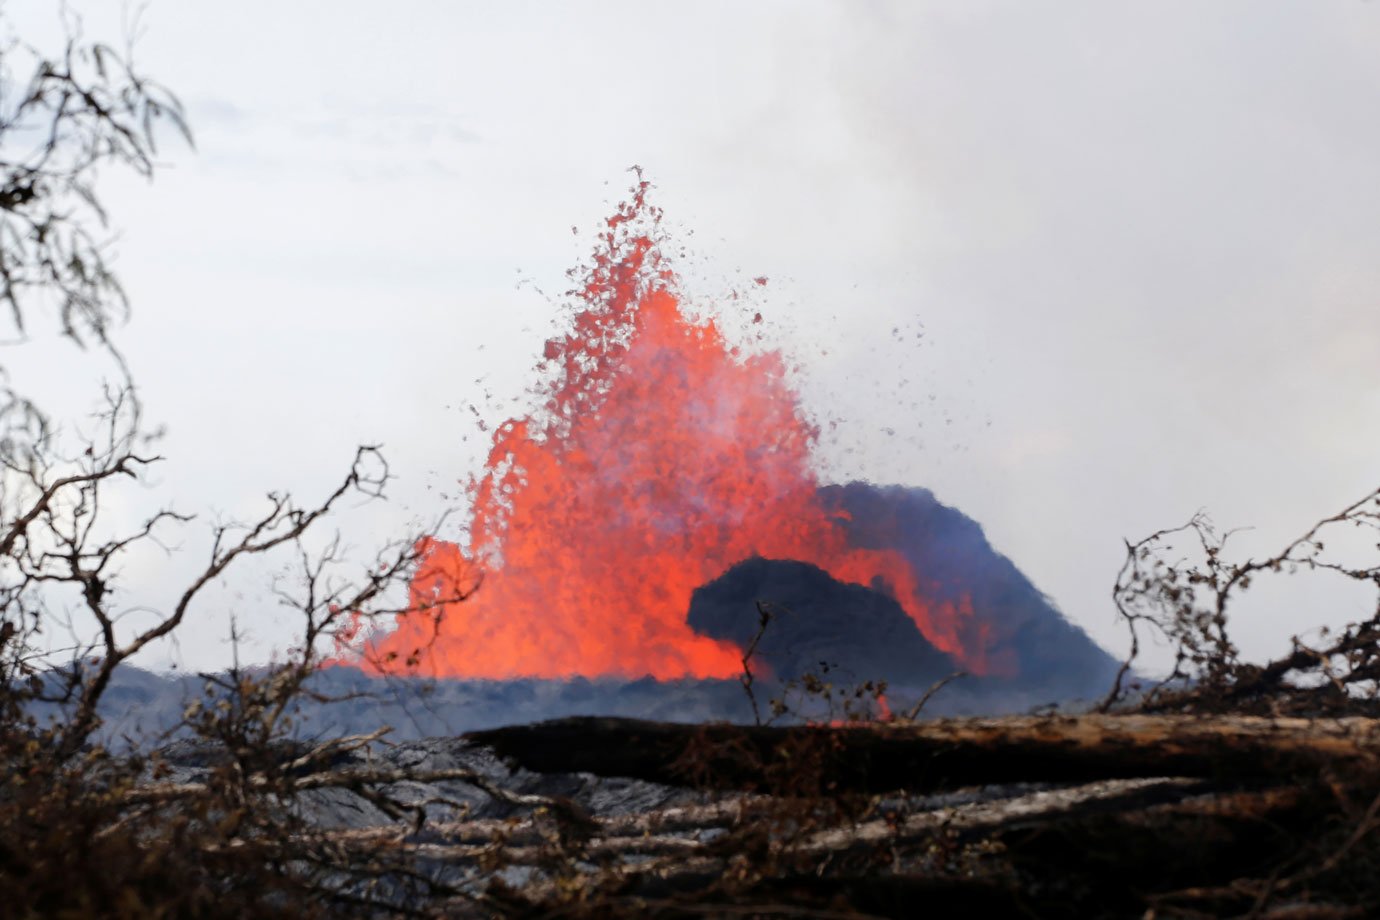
(1080, 268)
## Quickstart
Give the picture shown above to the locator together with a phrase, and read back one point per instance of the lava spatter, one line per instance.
(657, 458)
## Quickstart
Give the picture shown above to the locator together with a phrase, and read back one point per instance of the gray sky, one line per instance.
(1141, 239)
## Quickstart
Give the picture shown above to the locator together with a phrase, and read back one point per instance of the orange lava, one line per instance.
(660, 458)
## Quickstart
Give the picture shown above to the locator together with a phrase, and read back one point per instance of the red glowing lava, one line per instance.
(659, 458)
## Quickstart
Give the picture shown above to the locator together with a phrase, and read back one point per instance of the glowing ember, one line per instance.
(659, 459)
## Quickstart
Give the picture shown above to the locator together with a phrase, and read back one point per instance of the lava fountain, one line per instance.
(658, 457)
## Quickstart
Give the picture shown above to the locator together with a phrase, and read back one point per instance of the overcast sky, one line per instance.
(1142, 240)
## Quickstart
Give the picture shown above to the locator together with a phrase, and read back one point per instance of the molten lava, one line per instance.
(659, 458)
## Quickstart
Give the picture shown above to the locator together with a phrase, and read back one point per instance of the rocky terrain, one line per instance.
(1045, 816)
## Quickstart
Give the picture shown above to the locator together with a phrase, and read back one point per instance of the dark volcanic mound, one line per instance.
(816, 620)
(1035, 654)
(1052, 658)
